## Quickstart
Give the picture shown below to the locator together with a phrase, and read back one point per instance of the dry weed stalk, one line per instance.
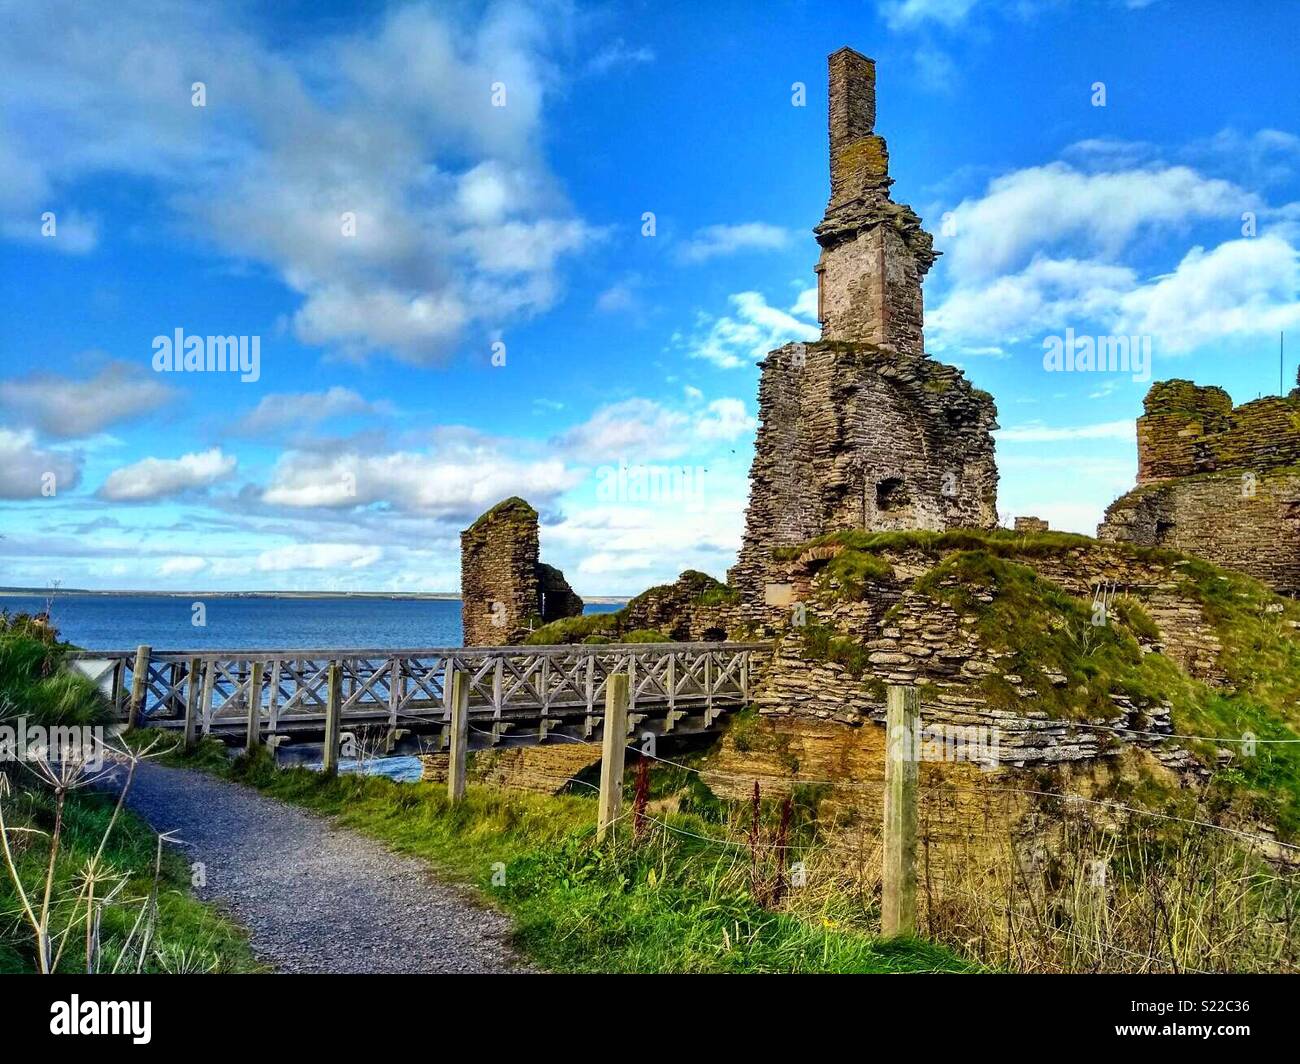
(50, 922)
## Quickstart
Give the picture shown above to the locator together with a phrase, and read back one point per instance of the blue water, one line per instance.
(119, 622)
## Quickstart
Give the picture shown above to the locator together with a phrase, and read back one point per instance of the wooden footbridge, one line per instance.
(400, 701)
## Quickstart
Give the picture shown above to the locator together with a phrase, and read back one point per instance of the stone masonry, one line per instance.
(505, 589)
(914, 638)
(874, 251)
(1217, 481)
(861, 430)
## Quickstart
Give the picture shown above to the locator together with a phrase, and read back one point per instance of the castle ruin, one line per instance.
(505, 588)
(1217, 481)
(861, 430)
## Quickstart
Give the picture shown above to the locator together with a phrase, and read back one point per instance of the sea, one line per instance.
(168, 622)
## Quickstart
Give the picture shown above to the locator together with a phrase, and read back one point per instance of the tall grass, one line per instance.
(84, 885)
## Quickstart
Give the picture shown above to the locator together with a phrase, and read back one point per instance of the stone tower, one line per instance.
(874, 251)
(504, 587)
(861, 430)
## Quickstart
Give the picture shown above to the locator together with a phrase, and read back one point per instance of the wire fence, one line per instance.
(1014, 875)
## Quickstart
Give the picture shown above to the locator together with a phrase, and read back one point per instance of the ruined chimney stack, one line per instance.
(852, 98)
(874, 251)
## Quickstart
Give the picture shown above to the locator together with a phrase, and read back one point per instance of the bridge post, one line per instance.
(459, 736)
(253, 698)
(192, 688)
(273, 699)
(898, 894)
(333, 709)
(394, 692)
(139, 685)
(209, 692)
(613, 750)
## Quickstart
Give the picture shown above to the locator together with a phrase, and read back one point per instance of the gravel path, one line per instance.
(315, 897)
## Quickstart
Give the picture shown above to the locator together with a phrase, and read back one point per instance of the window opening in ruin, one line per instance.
(1164, 529)
(891, 494)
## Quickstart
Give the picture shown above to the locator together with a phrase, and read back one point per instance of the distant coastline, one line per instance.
(438, 596)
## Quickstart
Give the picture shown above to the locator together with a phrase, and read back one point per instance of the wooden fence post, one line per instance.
(254, 699)
(898, 894)
(333, 709)
(459, 735)
(192, 694)
(613, 749)
(139, 685)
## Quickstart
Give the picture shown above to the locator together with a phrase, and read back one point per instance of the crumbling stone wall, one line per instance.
(1186, 429)
(1030, 524)
(1217, 481)
(861, 430)
(505, 589)
(855, 437)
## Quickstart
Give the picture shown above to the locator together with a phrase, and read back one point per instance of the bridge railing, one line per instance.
(150, 687)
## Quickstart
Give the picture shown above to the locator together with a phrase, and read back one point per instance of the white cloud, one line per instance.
(1009, 281)
(70, 406)
(454, 482)
(25, 468)
(1046, 296)
(1030, 211)
(182, 565)
(752, 330)
(641, 430)
(158, 478)
(619, 54)
(1242, 288)
(622, 549)
(458, 220)
(1037, 432)
(618, 298)
(715, 240)
(1238, 290)
(318, 556)
(726, 420)
(286, 410)
(908, 14)
(637, 428)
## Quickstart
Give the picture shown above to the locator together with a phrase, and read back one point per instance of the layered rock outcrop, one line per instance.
(1028, 640)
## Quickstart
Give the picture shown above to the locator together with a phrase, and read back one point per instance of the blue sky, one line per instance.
(380, 423)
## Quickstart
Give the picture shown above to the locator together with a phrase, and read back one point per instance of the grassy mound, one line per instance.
(628, 625)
